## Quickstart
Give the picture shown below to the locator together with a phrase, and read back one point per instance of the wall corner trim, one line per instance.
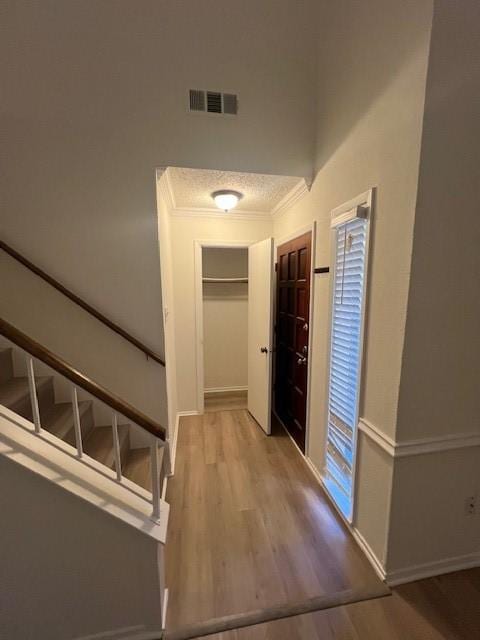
(419, 446)
(292, 197)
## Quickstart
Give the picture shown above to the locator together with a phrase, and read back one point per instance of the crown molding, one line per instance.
(166, 188)
(203, 212)
(292, 197)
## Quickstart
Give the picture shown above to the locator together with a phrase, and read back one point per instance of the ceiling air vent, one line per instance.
(213, 102)
(197, 100)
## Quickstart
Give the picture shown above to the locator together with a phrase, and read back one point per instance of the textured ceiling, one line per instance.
(192, 188)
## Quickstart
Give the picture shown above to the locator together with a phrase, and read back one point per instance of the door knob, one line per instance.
(302, 360)
(263, 349)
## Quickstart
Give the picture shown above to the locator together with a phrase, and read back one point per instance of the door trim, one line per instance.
(310, 228)
(198, 272)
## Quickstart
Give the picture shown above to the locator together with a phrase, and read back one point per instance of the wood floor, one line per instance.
(442, 608)
(249, 525)
(225, 401)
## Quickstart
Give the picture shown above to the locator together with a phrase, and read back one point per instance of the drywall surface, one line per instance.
(47, 316)
(439, 391)
(371, 99)
(439, 398)
(70, 570)
(95, 98)
(225, 319)
(430, 528)
(185, 231)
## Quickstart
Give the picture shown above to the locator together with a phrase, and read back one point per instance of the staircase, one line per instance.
(58, 419)
(63, 437)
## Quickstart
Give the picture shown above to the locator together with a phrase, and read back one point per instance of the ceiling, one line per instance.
(263, 195)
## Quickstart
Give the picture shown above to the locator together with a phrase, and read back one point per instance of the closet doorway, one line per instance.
(224, 310)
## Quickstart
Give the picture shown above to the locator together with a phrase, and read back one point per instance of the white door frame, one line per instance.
(199, 355)
(312, 228)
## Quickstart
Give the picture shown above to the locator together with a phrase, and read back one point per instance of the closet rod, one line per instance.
(224, 279)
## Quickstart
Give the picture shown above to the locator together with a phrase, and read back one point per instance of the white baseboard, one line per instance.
(194, 412)
(358, 537)
(164, 611)
(225, 389)
(431, 569)
(368, 551)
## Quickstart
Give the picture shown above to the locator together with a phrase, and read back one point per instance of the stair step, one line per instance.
(15, 395)
(99, 445)
(6, 365)
(58, 420)
(138, 467)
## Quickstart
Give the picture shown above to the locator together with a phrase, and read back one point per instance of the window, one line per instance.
(350, 256)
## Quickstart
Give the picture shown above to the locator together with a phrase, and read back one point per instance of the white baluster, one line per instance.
(33, 394)
(76, 422)
(155, 479)
(116, 447)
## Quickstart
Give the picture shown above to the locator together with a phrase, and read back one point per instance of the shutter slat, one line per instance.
(348, 291)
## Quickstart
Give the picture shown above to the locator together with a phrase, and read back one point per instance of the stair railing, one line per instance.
(118, 407)
(86, 306)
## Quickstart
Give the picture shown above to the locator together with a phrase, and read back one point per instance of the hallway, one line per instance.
(249, 525)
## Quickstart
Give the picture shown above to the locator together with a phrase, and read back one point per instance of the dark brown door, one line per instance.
(293, 305)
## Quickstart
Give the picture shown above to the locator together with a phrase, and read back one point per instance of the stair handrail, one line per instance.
(80, 302)
(79, 379)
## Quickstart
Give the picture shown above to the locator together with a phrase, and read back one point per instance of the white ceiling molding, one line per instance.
(218, 213)
(186, 191)
(292, 197)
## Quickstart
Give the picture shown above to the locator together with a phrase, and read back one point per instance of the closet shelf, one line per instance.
(224, 279)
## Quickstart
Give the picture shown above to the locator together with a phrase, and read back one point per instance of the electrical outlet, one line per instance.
(471, 505)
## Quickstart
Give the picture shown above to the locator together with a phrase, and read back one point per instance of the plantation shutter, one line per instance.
(346, 339)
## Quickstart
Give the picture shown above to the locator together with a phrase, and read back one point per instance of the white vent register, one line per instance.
(203, 101)
(350, 258)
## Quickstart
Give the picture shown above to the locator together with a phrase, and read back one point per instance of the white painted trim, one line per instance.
(297, 192)
(421, 446)
(44, 454)
(185, 212)
(370, 554)
(381, 439)
(351, 209)
(359, 539)
(295, 234)
(292, 197)
(431, 569)
(194, 412)
(164, 608)
(358, 207)
(214, 390)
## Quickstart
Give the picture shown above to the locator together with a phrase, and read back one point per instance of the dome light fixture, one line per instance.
(226, 199)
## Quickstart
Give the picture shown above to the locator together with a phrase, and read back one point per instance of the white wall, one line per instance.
(373, 63)
(47, 316)
(225, 319)
(185, 230)
(69, 568)
(439, 397)
(94, 98)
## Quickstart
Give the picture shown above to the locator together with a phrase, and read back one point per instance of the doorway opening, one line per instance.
(225, 327)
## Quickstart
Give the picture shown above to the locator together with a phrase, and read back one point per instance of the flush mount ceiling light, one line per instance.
(226, 199)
